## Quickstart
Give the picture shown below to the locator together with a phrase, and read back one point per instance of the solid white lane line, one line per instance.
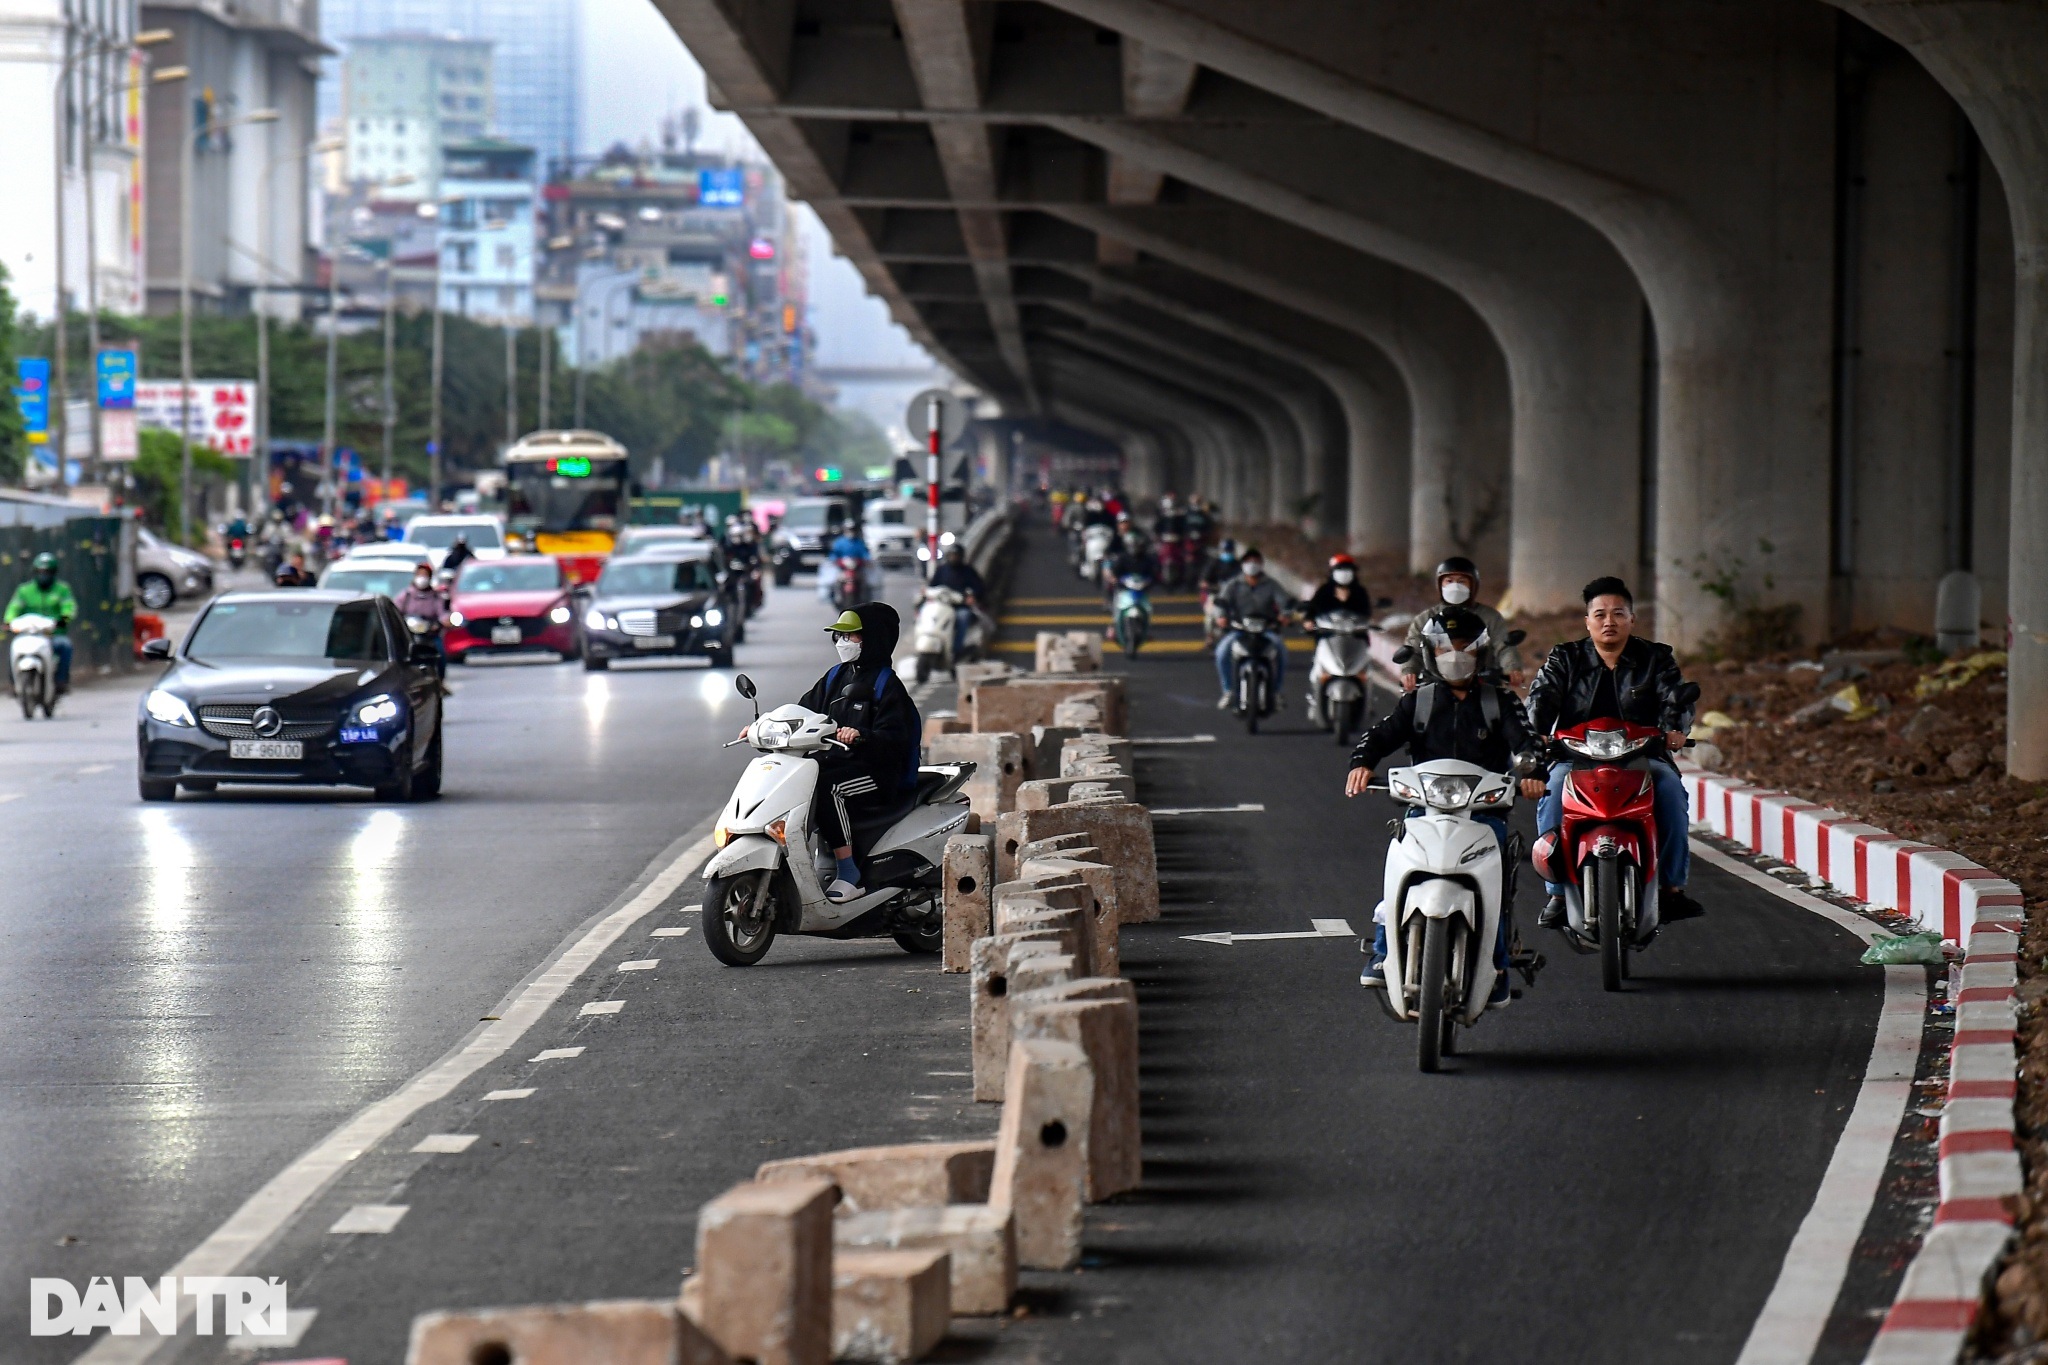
(689, 909)
(5, 797)
(370, 1218)
(92, 768)
(1333, 928)
(1243, 807)
(1788, 1329)
(670, 933)
(557, 1054)
(267, 1212)
(603, 1007)
(645, 964)
(520, 1094)
(1173, 739)
(445, 1142)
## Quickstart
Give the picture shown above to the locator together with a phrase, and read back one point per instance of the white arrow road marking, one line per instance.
(1243, 807)
(1324, 928)
(1174, 739)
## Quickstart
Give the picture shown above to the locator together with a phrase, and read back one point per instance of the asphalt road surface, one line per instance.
(202, 992)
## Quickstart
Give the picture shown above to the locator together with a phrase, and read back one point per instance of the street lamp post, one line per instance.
(390, 389)
(434, 378)
(185, 301)
(259, 460)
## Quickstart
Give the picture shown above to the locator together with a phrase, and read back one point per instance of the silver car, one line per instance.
(165, 572)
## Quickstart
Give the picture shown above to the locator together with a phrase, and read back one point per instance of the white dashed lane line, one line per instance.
(670, 933)
(509, 1094)
(558, 1054)
(445, 1142)
(370, 1218)
(645, 964)
(603, 1007)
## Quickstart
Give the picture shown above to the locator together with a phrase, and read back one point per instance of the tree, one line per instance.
(13, 431)
(158, 470)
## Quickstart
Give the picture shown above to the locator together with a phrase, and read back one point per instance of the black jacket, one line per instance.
(867, 696)
(961, 578)
(1457, 729)
(1325, 602)
(1646, 683)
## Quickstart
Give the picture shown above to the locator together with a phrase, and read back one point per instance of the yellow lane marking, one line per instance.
(1151, 647)
(1188, 619)
(1162, 599)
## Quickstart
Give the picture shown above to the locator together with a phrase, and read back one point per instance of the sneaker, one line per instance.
(1370, 978)
(1552, 916)
(842, 891)
(1500, 990)
(1223, 702)
(1673, 904)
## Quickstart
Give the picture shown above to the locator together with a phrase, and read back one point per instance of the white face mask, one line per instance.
(1252, 568)
(847, 650)
(1344, 577)
(1456, 665)
(422, 581)
(1457, 593)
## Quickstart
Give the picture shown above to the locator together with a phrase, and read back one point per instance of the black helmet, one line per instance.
(1458, 564)
(45, 563)
(1446, 624)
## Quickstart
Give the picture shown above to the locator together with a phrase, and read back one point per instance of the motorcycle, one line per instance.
(1447, 889)
(1172, 559)
(848, 581)
(1251, 693)
(766, 877)
(425, 628)
(938, 615)
(1604, 853)
(1133, 613)
(1339, 680)
(1094, 548)
(32, 664)
(238, 552)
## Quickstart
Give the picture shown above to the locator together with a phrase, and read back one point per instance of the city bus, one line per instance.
(566, 495)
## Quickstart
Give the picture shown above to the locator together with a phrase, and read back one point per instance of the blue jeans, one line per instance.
(1226, 672)
(1674, 812)
(61, 644)
(963, 621)
(1499, 825)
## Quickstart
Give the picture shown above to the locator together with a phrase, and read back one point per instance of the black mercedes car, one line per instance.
(304, 687)
(661, 604)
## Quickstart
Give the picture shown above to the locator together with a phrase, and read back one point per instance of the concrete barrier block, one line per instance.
(1037, 972)
(1105, 957)
(1088, 748)
(764, 1259)
(1122, 830)
(968, 877)
(1020, 702)
(614, 1332)
(1107, 1030)
(1065, 652)
(1041, 1175)
(1054, 846)
(989, 1013)
(999, 765)
(1083, 713)
(902, 1176)
(1066, 906)
(943, 723)
(889, 1306)
(1042, 792)
(1044, 748)
(980, 1243)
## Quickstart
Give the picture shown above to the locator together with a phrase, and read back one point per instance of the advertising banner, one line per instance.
(223, 411)
(116, 374)
(32, 390)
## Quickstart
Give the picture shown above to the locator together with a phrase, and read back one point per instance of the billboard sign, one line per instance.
(32, 390)
(725, 189)
(116, 375)
(223, 411)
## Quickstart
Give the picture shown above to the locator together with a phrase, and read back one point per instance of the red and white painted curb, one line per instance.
(1984, 913)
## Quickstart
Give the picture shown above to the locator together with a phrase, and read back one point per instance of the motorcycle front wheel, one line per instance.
(1344, 720)
(739, 918)
(1250, 696)
(1607, 909)
(1430, 1022)
(27, 692)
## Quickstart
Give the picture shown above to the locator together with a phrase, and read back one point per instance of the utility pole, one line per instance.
(390, 350)
(544, 338)
(511, 382)
(328, 462)
(434, 383)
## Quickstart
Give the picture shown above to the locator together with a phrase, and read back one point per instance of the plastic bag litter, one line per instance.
(1905, 950)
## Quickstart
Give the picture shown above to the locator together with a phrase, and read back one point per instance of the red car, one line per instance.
(517, 604)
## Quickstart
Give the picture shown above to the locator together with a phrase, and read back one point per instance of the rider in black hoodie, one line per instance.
(880, 727)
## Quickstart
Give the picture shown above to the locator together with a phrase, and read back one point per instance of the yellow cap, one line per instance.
(847, 624)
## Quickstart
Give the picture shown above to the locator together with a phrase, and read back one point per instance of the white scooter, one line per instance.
(1447, 887)
(1094, 549)
(32, 664)
(932, 634)
(1339, 681)
(765, 878)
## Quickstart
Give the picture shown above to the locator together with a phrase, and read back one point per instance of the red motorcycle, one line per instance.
(848, 582)
(1605, 852)
(1174, 559)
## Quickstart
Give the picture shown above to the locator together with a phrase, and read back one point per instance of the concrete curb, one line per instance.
(1983, 912)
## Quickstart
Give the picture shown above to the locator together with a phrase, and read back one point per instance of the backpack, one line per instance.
(882, 677)
(1425, 705)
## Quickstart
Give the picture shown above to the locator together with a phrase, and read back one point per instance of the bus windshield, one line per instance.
(538, 500)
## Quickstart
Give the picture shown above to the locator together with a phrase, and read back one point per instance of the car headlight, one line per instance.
(560, 616)
(168, 708)
(377, 709)
(594, 620)
(456, 618)
(696, 621)
(713, 617)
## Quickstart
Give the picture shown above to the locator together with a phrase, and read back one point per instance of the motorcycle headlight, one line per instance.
(1605, 744)
(713, 617)
(560, 616)
(594, 620)
(456, 618)
(377, 709)
(1446, 793)
(168, 708)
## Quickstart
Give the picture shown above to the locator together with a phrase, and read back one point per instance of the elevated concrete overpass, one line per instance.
(1745, 298)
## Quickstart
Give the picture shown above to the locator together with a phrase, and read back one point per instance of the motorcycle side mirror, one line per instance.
(744, 685)
(1405, 654)
(1515, 637)
(1688, 693)
(159, 648)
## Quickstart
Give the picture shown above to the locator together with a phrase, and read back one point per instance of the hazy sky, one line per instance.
(636, 71)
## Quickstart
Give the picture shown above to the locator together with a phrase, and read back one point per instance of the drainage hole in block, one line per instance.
(998, 985)
(1054, 1134)
(967, 885)
(490, 1353)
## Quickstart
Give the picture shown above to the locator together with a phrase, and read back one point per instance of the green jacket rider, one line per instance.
(44, 594)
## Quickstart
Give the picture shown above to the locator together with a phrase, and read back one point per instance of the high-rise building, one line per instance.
(404, 97)
(534, 52)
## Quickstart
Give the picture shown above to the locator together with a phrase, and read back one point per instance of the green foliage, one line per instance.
(13, 432)
(1750, 627)
(158, 470)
